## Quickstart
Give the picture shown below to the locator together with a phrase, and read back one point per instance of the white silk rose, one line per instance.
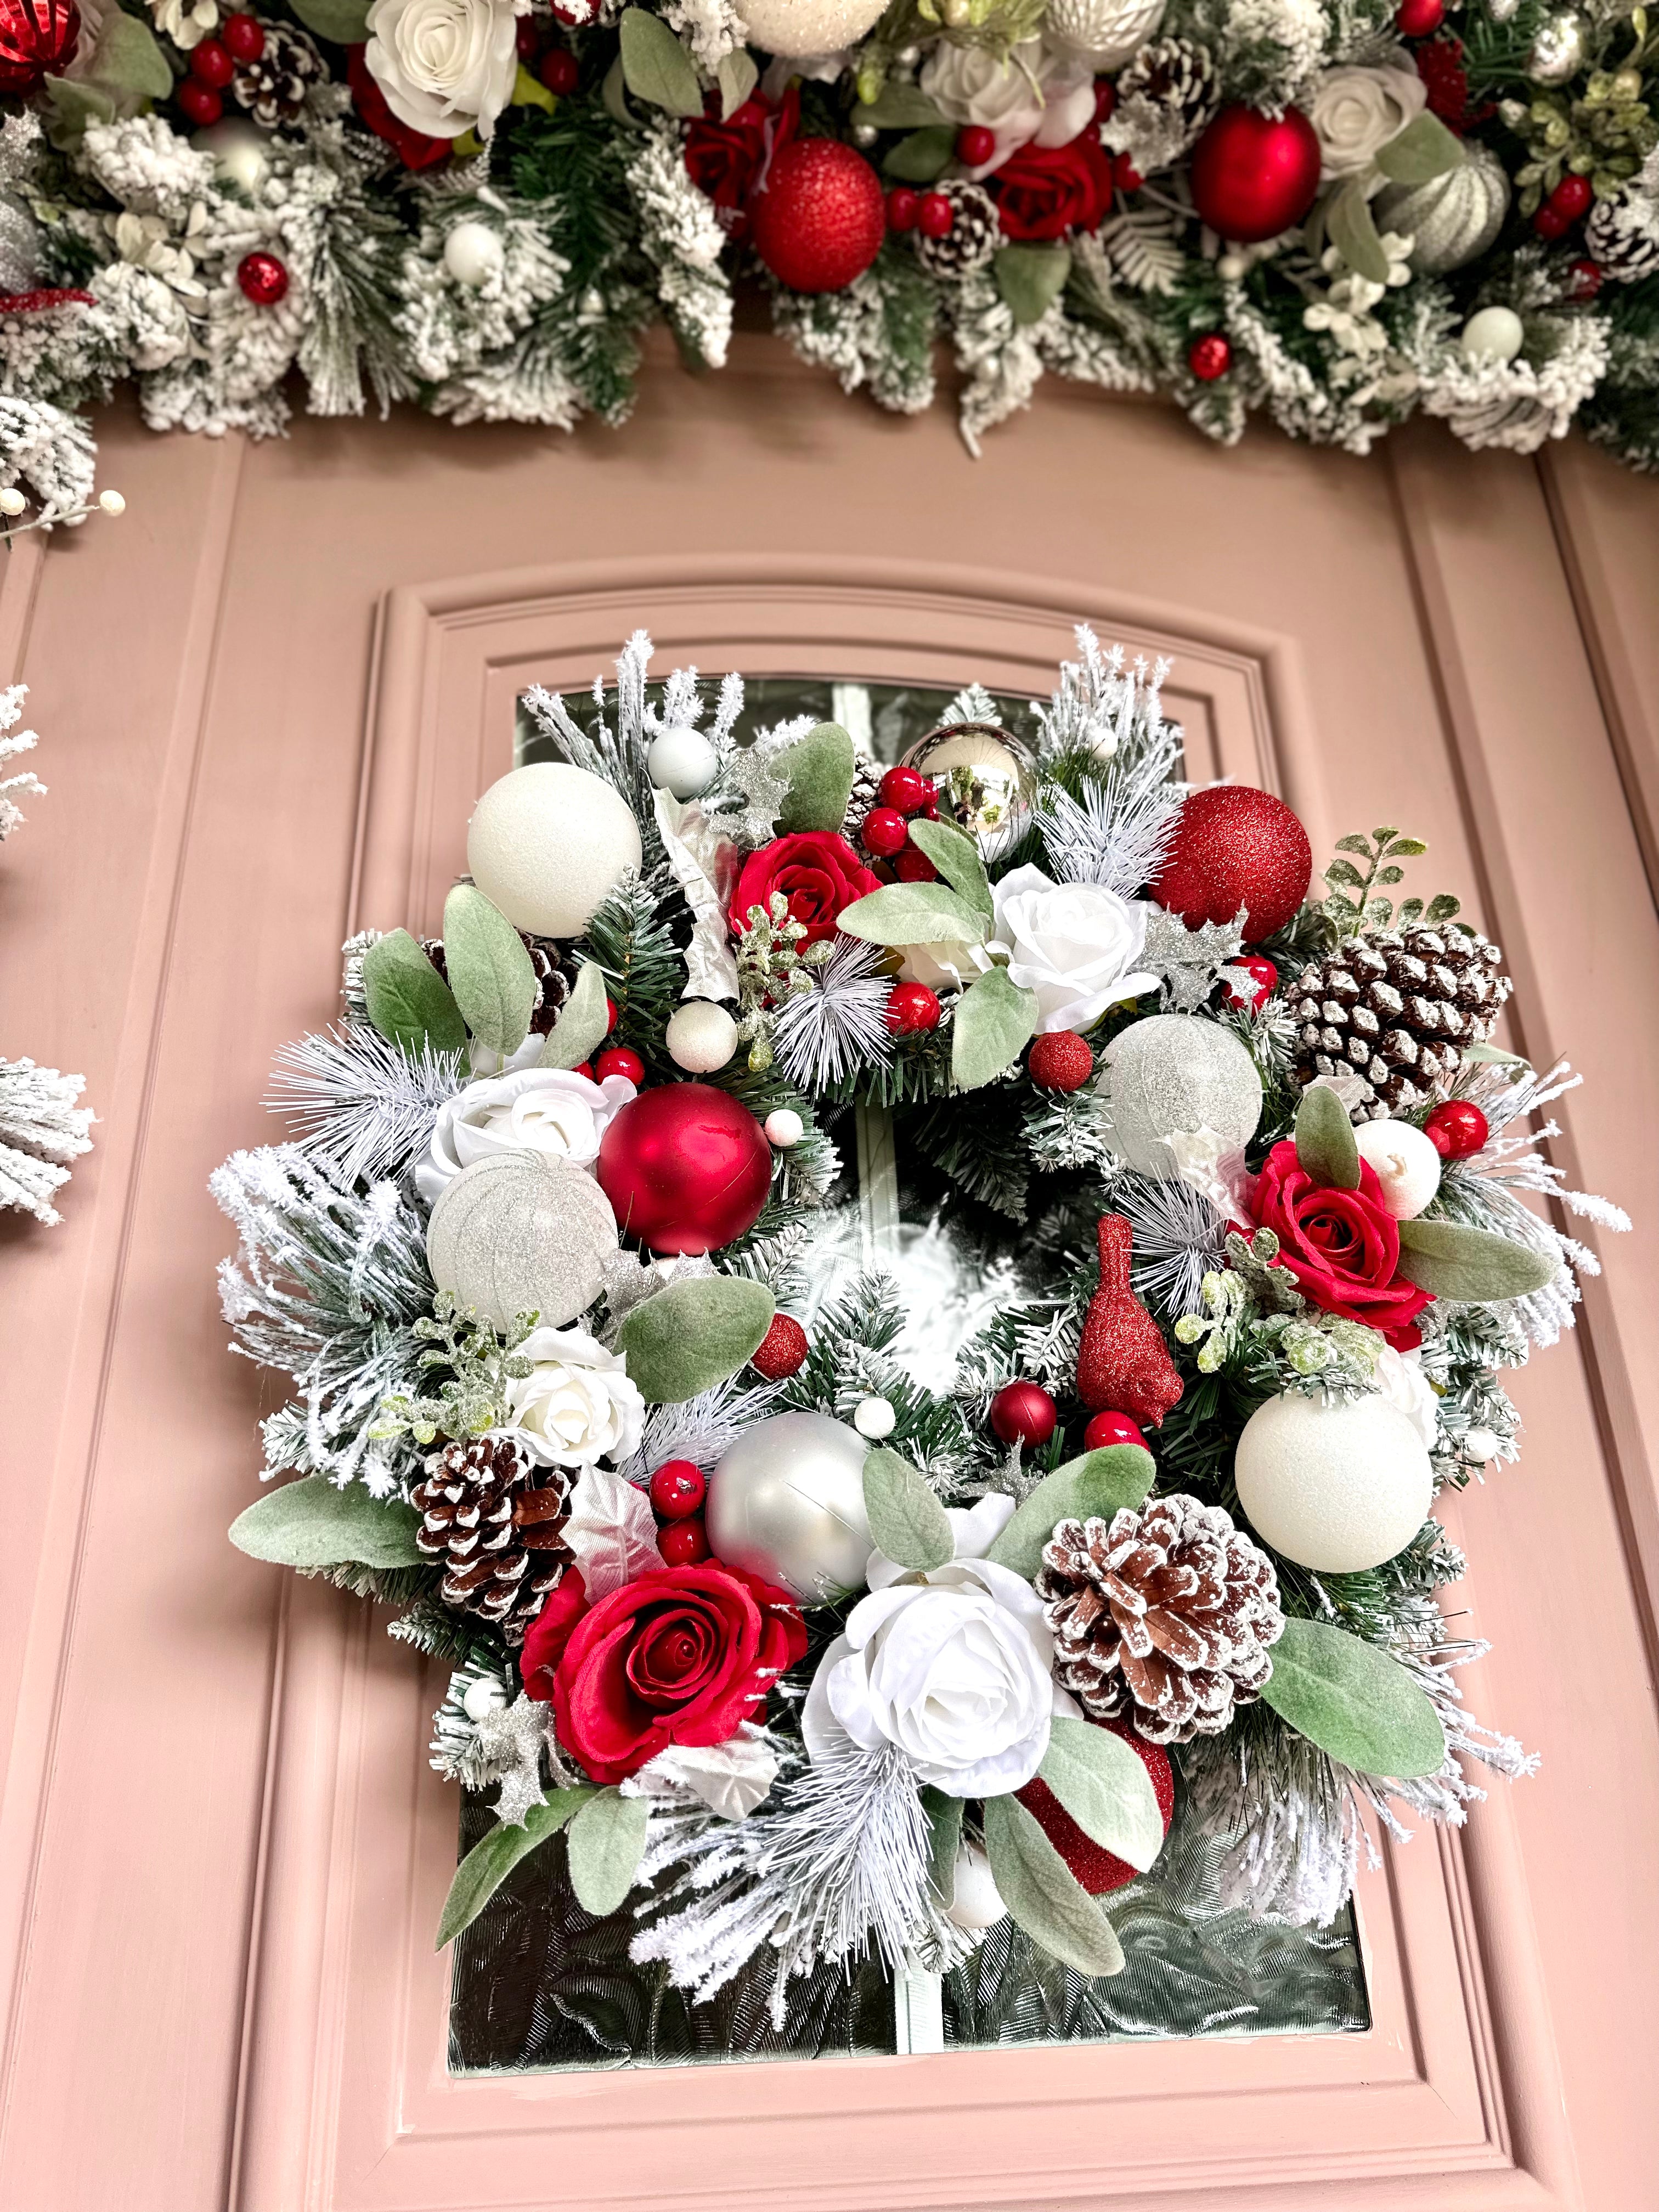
(576, 1406)
(1355, 111)
(1076, 945)
(1033, 95)
(446, 66)
(539, 1109)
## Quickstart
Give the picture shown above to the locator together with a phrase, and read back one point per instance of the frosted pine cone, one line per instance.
(1398, 1010)
(274, 88)
(500, 1540)
(865, 794)
(1166, 96)
(974, 234)
(1164, 1616)
(1621, 236)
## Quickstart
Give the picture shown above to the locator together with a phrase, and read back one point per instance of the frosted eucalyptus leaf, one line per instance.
(583, 1024)
(1356, 1704)
(129, 59)
(914, 913)
(694, 1334)
(408, 999)
(899, 107)
(312, 1523)
(1098, 1484)
(489, 970)
(737, 76)
(1470, 1264)
(1042, 1894)
(656, 65)
(1325, 1146)
(1031, 278)
(907, 1521)
(957, 857)
(1106, 1788)
(921, 157)
(606, 1839)
(995, 1020)
(820, 768)
(491, 1860)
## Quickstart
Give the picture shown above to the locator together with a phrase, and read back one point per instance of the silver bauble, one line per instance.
(1452, 219)
(1560, 49)
(985, 777)
(521, 1231)
(1176, 1072)
(1105, 33)
(787, 1501)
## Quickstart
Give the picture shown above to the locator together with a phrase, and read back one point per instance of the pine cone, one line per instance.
(865, 795)
(1166, 96)
(273, 89)
(1621, 239)
(1397, 1009)
(975, 233)
(496, 1521)
(1164, 1616)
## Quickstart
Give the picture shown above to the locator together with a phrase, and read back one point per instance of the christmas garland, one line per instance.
(1336, 212)
(810, 1660)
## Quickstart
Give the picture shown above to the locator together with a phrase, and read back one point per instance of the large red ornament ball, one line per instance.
(1254, 175)
(263, 278)
(37, 40)
(686, 1168)
(782, 1352)
(1022, 1413)
(1236, 847)
(1060, 1059)
(1097, 1869)
(1122, 1361)
(819, 221)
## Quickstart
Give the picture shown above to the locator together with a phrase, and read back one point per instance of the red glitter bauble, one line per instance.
(684, 1543)
(906, 790)
(1097, 1869)
(819, 219)
(1458, 1128)
(37, 40)
(782, 1352)
(1023, 1413)
(911, 1008)
(1264, 980)
(1210, 357)
(620, 1059)
(1059, 1061)
(1254, 175)
(1236, 847)
(686, 1167)
(678, 1489)
(913, 867)
(1109, 1428)
(885, 832)
(1122, 1361)
(263, 278)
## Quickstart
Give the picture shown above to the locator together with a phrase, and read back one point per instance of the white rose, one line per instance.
(576, 1405)
(1033, 95)
(1357, 111)
(1401, 1382)
(1075, 944)
(446, 66)
(542, 1109)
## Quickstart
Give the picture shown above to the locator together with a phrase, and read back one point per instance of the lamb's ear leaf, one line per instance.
(582, 1026)
(1353, 232)
(408, 999)
(1354, 1702)
(490, 973)
(995, 1020)
(1424, 149)
(1470, 1264)
(1042, 1894)
(737, 76)
(693, 1334)
(820, 767)
(914, 913)
(312, 1524)
(1098, 1485)
(1325, 1146)
(607, 1838)
(656, 65)
(957, 859)
(1106, 1789)
(1031, 278)
(944, 1819)
(907, 1521)
(491, 1860)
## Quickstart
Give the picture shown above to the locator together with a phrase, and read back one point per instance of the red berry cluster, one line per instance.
(930, 213)
(1570, 202)
(554, 64)
(213, 63)
(678, 1491)
(911, 1008)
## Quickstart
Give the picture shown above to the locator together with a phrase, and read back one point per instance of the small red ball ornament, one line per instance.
(915, 867)
(1420, 19)
(245, 36)
(684, 1543)
(1023, 1413)
(906, 790)
(1126, 178)
(1264, 979)
(620, 1059)
(678, 1489)
(782, 1352)
(911, 1009)
(212, 62)
(1236, 847)
(1060, 1059)
(1254, 175)
(1097, 1869)
(37, 40)
(609, 1014)
(686, 1168)
(1550, 224)
(1210, 357)
(1111, 1428)
(820, 220)
(935, 216)
(1572, 199)
(199, 101)
(903, 206)
(560, 70)
(1122, 1361)
(263, 278)
(976, 145)
(1458, 1128)
(885, 832)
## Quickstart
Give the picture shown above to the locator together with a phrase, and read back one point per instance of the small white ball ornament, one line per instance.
(1493, 334)
(239, 150)
(1407, 1165)
(546, 842)
(700, 1037)
(977, 1903)
(798, 28)
(1337, 1486)
(784, 1129)
(874, 1418)
(1479, 1445)
(473, 254)
(786, 1502)
(1175, 1073)
(1104, 33)
(682, 762)
(12, 501)
(484, 1699)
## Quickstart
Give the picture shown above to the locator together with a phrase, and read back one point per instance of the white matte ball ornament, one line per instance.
(977, 1902)
(787, 1501)
(521, 1231)
(1337, 1486)
(1175, 1073)
(784, 1129)
(1104, 33)
(1407, 1165)
(546, 842)
(1494, 334)
(700, 1037)
(682, 762)
(874, 1418)
(1479, 1445)
(484, 1699)
(799, 28)
(473, 254)
(241, 153)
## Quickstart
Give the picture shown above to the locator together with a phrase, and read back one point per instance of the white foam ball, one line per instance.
(797, 28)
(240, 151)
(1479, 1445)
(483, 1699)
(977, 1902)
(874, 1418)
(1407, 1163)
(546, 842)
(1493, 334)
(784, 1129)
(473, 254)
(682, 762)
(700, 1037)
(1338, 1487)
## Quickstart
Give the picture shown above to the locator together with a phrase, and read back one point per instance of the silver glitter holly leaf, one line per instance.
(1191, 960)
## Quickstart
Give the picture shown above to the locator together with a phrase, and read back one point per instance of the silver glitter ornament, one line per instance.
(1175, 1073)
(985, 778)
(1560, 50)
(786, 1502)
(521, 1231)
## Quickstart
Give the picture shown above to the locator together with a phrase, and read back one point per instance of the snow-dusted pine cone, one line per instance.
(496, 1521)
(273, 89)
(1166, 96)
(1398, 1008)
(865, 794)
(1166, 1616)
(1621, 236)
(974, 234)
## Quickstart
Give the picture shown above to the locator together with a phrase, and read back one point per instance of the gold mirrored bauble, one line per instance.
(985, 777)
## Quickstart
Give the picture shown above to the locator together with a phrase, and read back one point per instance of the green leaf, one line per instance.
(820, 768)
(408, 999)
(1106, 1789)
(72, 107)
(344, 21)
(1097, 1485)
(310, 1523)
(1423, 150)
(529, 92)
(737, 76)
(1343, 872)
(583, 1023)
(944, 1819)
(995, 1020)
(1031, 278)
(899, 107)
(1042, 1894)
(1354, 1702)
(694, 1334)
(491, 1860)
(1383, 835)
(923, 156)
(1407, 849)
(914, 913)
(129, 59)
(1442, 906)
(1469, 1265)
(489, 971)
(613, 93)
(907, 1521)
(1325, 1146)
(957, 859)
(1354, 842)
(1354, 235)
(657, 66)
(606, 1839)
(1494, 1055)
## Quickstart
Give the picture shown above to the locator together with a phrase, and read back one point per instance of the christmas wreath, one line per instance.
(1336, 214)
(810, 1659)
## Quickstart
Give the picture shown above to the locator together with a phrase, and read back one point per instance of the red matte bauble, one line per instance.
(684, 1543)
(1122, 1361)
(1060, 1059)
(686, 1167)
(263, 278)
(619, 1060)
(906, 790)
(1109, 1428)
(678, 1489)
(1235, 847)
(911, 1008)
(1097, 1869)
(37, 40)
(819, 219)
(782, 1352)
(1254, 175)
(1023, 1413)
(1456, 1129)
(560, 71)
(885, 832)
(1264, 981)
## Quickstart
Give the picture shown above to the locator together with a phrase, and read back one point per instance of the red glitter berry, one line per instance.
(911, 1008)
(1550, 224)
(1060, 1059)
(620, 1059)
(201, 104)
(885, 832)
(560, 71)
(1458, 1128)
(677, 1490)
(905, 789)
(262, 276)
(976, 145)
(903, 205)
(1210, 357)
(1023, 1412)
(1097, 1869)
(245, 36)
(1264, 981)
(684, 1543)
(782, 1352)
(1112, 1428)
(914, 868)
(935, 216)
(211, 62)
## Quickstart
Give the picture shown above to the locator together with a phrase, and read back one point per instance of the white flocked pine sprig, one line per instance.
(41, 1131)
(13, 741)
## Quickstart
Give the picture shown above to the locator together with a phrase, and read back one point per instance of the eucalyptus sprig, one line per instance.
(481, 1362)
(1353, 905)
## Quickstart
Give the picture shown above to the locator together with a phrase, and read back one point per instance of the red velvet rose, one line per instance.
(1043, 191)
(680, 1655)
(1342, 1246)
(414, 148)
(817, 871)
(723, 159)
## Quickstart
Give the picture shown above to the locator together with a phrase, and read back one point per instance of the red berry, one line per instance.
(1265, 977)
(1458, 1128)
(678, 1489)
(560, 71)
(1549, 224)
(1111, 1428)
(782, 1352)
(1105, 98)
(905, 789)
(935, 216)
(573, 15)
(1023, 1412)
(619, 1060)
(609, 1014)
(1570, 199)
(1210, 357)
(1125, 175)
(976, 145)
(1060, 1059)
(262, 276)
(1587, 280)
(199, 101)
(245, 36)
(1420, 19)
(210, 63)
(914, 868)
(524, 38)
(928, 809)
(1097, 1869)
(885, 832)
(911, 1009)
(901, 208)
(584, 1068)
(684, 1543)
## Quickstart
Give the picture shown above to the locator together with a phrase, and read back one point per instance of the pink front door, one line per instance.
(267, 698)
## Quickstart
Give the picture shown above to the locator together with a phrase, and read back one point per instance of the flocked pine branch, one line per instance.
(11, 713)
(41, 1131)
(824, 1036)
(363, 1105)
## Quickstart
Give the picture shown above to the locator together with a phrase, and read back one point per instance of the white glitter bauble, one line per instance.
(240, 151)
(1172, 1073)
(700, 1037)
(682, 762)
(473, 254)
(484, 1699)
(874, 1418)
(787, 1501)
(1493, 334)
(1407, 1165)
(1337, 1486)
(1560, 49)
(1105, 32)
(798, 28)
(784, 1129)
(521, 1231)
(546, 842)
(1452, 219)
(977, 1903)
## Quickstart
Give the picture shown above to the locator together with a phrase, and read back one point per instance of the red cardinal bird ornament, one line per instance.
(1122, 1361)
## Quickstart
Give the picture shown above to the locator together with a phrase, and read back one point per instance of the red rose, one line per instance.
(680, 1655)
(723, 159)
(1342, 1246)
(414, 148)
(1043, 191)
(817, 871)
